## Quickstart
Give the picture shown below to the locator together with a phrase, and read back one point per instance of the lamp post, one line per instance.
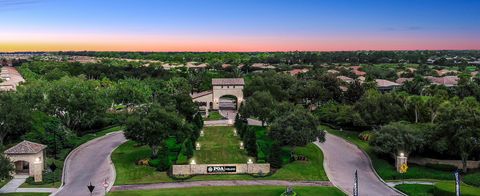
(401, 161)
(197, 147)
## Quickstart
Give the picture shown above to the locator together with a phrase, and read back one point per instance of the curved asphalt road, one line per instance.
(341, 160)
(90, 163)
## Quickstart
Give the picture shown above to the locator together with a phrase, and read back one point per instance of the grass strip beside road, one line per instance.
(440, 188)
(385, 169)
(232, 191)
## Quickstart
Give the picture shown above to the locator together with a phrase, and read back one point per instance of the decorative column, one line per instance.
(399, 161)
(249, 163)
(37, 170)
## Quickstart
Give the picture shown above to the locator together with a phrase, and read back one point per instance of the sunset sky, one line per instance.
(238, 25)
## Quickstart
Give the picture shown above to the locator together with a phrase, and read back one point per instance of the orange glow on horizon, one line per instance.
(163, 43)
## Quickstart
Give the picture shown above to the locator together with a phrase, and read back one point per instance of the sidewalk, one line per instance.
(17, 181)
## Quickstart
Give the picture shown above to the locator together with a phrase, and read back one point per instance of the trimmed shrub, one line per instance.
(275, 158)
(442, 167)
(365, 136)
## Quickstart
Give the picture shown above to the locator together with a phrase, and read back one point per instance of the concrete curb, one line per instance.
(65, 165)
(325, 164)
(114, 172)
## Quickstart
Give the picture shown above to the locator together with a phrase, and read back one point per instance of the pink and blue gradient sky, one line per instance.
(238, 25)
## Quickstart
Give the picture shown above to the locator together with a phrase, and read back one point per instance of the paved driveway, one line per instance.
(91, 163)
(342, 159)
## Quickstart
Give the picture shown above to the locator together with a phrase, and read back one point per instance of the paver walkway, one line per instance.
(90, 163)
(221, 183)
(13, 185)
(342, 158)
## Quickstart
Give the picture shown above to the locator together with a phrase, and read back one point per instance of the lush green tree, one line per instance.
(435, 105)
(259, 105)
(378, 109)
(164, 159)
(272, 82)
(275, 156)
(415, 86)
(296, 128)
(15, 116)
(250, 140)
(458, 131)
(152, 126)
(6, 167)
(416, 104)
(354, 92)
(130, 91)
(76, 102)
(178, 86)
(339, 114)
(198, 121)
(189, 147)
(395, 138)
(49, 131)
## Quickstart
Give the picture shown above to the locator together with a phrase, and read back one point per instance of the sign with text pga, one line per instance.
(215, 169)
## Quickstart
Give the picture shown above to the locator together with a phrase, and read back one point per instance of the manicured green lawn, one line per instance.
(124, 159)
(3, 183)
(219, 145)
(128, 172)
(416, 189)
(87, 137)
(448, 187)
(385, 169)
(214, 115)
(233, 191)
(295, 171)
(472, 179)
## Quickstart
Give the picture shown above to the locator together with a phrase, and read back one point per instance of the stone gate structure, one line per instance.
(28, 158)
(210, 100)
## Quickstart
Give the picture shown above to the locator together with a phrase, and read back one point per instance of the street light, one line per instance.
(402, 155)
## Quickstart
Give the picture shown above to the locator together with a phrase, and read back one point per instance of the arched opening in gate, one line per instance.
(22, 167)
(228, 102)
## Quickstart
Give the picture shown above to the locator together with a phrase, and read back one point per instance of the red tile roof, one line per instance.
(446, 80)
(228, 81)
(25, 147)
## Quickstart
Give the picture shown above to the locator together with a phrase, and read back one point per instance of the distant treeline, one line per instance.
(420, 56)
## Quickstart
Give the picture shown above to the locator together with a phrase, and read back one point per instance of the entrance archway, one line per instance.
(228, 102)
(22, 167)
